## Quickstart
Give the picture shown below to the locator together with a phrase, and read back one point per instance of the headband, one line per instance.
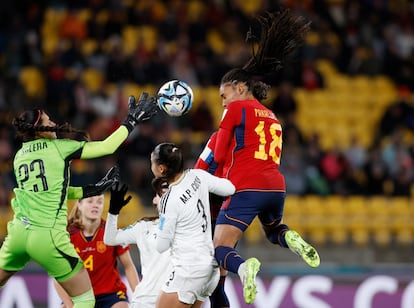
(39, 114)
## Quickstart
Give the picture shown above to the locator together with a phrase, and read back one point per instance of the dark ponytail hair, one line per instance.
(29, 122)
(158, 185)
(170, 155)
(281, 34)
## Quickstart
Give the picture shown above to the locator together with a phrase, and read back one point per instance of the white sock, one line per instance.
(241, 269)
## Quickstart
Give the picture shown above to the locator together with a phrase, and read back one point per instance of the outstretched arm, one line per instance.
(105, 147)
(137, 112)
(113, 236)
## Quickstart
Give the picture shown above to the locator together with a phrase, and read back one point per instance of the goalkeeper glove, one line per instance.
(118, 200)
(145, 109)
(110, 178)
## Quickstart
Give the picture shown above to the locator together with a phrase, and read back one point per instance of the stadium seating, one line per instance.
(325, 221)
(345, 108)
(33, 82)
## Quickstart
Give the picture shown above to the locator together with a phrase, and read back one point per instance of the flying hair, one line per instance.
(281, 34)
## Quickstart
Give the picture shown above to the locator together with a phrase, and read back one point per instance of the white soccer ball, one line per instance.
(175, 97)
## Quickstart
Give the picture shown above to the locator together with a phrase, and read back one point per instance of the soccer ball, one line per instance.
(175, 97)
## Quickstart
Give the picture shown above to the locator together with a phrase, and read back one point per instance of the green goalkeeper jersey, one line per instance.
(42, 170)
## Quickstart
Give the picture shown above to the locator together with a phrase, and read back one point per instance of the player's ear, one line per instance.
(240, 88)
(162, 168)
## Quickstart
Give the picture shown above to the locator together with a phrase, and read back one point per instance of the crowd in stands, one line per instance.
(81, 59)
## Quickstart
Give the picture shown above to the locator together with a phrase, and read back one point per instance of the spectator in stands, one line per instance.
(376, 173)
(396, 154)
(310, 77)
(396, 114)
(293, 163)
(201, 118)
(285, 103)
(335, 168)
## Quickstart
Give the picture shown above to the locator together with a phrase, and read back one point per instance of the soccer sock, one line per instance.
(240, 271)
(228, 258)
(219, 298)
(84, 300)
(277, 235)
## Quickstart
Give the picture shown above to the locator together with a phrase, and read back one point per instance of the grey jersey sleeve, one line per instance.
(114, 236)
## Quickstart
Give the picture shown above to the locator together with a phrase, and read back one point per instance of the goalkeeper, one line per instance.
(38, 229)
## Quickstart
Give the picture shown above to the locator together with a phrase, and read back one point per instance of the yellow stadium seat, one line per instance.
(33, 81)
(327, 68)
(358, 219)
(84, 14)
(148, 37)
(336, 220)
(379, 218)
(254, 233)
(215, 41)
(401, 206)
(249, 7)
(93, 79)
(403, 229)
(292, 204)
(362, 83)
(314, 222)
(88, 47)
(338, 83)
(400, 220)
(129, 39)
(293, 215)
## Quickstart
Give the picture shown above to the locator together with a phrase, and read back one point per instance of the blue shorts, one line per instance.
(240, 209)
(110, 299)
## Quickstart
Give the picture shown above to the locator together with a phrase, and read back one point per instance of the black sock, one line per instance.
(219, 298)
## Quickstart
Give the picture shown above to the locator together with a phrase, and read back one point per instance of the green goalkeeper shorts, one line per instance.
(50, 248)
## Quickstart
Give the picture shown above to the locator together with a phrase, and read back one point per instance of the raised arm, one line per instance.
(112, 235)
(137, 112)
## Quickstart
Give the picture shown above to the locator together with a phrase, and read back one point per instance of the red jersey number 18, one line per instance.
(275, 148)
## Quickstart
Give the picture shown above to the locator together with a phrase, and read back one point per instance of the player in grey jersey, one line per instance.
(185, 227)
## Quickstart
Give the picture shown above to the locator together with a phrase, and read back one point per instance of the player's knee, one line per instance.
(85, 300)
(221, 252)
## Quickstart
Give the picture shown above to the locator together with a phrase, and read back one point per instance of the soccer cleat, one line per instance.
(249, 280)
(302, 249)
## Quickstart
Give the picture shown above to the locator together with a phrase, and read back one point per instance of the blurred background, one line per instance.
(345, 101)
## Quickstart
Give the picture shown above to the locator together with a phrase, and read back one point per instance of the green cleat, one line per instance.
(249, 280)
(302, 249)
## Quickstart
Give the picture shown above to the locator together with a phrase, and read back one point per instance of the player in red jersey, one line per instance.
(249, 146)
(86, 228)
